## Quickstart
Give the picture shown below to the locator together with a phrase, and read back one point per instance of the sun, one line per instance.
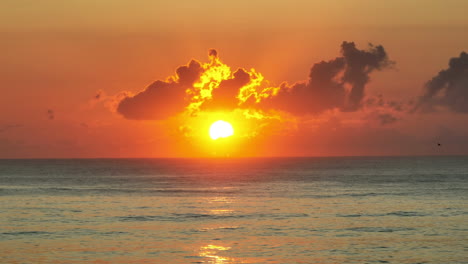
(221, 129)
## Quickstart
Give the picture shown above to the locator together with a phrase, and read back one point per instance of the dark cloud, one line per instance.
(188, 74)
(338, 83)
(212, 53)
(449, 88)
(374, 101)
(359, 64)
(50, 114)
(335, 84)
(157, 101)
(162, 98)
(398, 105)
(384, 111)
(225, 96)
(391, 105)
(386, 118)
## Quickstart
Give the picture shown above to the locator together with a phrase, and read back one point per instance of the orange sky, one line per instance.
(58, 55)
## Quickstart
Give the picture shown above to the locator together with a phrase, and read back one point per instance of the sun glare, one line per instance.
(221, 129)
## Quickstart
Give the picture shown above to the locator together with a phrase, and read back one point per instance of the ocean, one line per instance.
(252, 210)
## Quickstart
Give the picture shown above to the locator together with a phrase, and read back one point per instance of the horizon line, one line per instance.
(237, 157)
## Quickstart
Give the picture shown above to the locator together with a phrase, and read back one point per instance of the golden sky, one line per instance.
(67, 65)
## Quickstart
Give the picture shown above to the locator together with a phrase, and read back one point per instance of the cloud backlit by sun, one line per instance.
(198, 94)
(213, 86)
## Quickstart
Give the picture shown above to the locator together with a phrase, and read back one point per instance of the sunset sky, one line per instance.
(86, 78)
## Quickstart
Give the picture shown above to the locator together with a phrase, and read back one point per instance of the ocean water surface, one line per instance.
(259, 210)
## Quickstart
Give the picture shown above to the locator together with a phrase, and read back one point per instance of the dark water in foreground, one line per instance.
(278, 210)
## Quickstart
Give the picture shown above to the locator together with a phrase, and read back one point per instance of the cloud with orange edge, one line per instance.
(339, 83)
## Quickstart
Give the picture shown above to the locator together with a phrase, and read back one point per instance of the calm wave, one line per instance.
(275, 210)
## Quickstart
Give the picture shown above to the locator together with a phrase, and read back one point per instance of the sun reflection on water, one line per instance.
(212, 252)
(220, 199)
(220, 211)
(220, 203)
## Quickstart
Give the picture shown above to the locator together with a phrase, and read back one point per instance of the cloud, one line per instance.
(225, 96)
(386, 118)
(386, 111)
(161, 99)
(448, 89)
(336, 84)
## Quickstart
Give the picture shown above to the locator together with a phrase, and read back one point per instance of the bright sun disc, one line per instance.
(221, 129)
